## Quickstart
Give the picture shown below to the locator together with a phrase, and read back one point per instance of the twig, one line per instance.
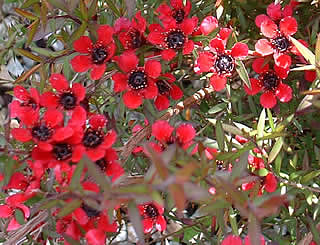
(139, 136)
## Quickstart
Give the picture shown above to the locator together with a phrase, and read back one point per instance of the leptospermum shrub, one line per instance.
(161, 122)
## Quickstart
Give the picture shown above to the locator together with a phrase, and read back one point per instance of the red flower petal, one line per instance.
(282, 60)
(188, 26)
(79, 116)
(217, 45)
(161, 223)
(284, 92)
(176, 4)
(97, 121)
(21, 93)
(59, 82)
(105, 33)
(208, 24)
(150, 91)
(156, 38)
(261, 18)
(287, 10)
(162, 102)
(49, 99)
(80, 215)
(62, 133)
(274, 11)
(128, 61)
(153, 68)
(162, 130)
(205, 61)
(132, 100)
(79, 91)
(96, 237)
(139, 23)
(97, 71)
(310, 76)
(77, 153)
(44, 146)
(224, 33)
(218, 82)
(269, 29)
(121, 23)
(232, 240)
(185, 133)
(5, 211)
(188, 47)
(83, 45)
(105, 225)
(247, 240)
(270, 183)
(255, 87)
(34, 94)
(263, 47)
(281, 72)
(52, 117)
(168, 54)
(120, 82)
(21, 134)
(96, 153)
(268, 99)
(258, 66)
(13, 225)
(288, 26)
(239, 50)
(81, 63)
(147, 225)
(175, 92)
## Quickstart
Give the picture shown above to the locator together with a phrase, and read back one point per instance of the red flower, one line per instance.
(152, 214)
(270, 183)
(279, 37)
(184, 134)
(109, 164)
(270, 83)
(45, 131)
(219, 61)
(177, 11)
(131, 33)
(166, 88)
(173, 37)
(26, 108)
(67, 97)
(94, 141)
(232, 240)
(310, 76)
(138, 81)
(13, 203)
(95, 55)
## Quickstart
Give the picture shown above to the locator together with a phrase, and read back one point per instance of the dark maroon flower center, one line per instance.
(270, 80)
(92, 138)
(178, 15)
(41, 132)
(175, 39)
(68, 101)
(30, 103)
(62, 151)
(138, 80)
(102, 164)
(151, 211)
(281, 43)
(163, 87)
(99, 55)
(91, 212)
(224, 63)
(137, 39)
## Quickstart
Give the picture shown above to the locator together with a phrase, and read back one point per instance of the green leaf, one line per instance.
(136, 221)
(92, 9)
(271, 123)
(26, 14)
(228, 128)
(75, 181)
(310, 176)
(60, 4)
(19, 216)
(83, 10)
(306, 53)
(275, 150)
(233, 221)
(78, 33)
(318, 51)
(29, 3)
(32, 31)
(220, 135)
(28, 54)
(261, 123)
(240, 166)
(243, 73)
(113, 7)
(69, 208)
(217, 108)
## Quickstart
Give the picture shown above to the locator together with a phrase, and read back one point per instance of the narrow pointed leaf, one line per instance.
(220, 135)
(69, 208)
(28, 54)
(306, 53)
(243, 73)
(275, 150)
